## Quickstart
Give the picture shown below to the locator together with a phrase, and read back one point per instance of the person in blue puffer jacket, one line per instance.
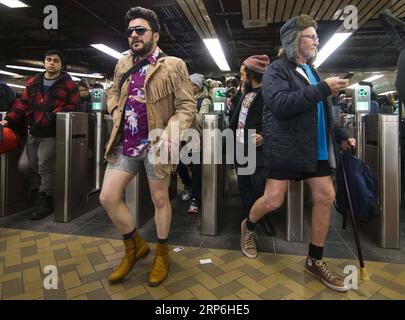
(298, 130)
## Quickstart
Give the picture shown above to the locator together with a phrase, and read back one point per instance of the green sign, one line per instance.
(362, 93)
(220, 94)
(97, 106)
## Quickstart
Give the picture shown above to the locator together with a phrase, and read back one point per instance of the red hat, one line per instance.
(257, 63)
(8, 140)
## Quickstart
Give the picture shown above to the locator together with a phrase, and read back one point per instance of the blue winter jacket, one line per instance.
(290, 118)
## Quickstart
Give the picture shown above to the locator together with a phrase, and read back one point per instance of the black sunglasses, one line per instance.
(139, 30)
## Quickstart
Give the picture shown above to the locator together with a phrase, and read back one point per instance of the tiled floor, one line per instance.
(86, 249)
(84, 262)
(186, 231)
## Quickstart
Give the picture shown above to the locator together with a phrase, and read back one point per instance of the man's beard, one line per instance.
(146, 48)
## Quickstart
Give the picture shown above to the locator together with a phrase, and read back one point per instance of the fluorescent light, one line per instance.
(372, 78)
(330, 47)
(10, 73)
(13, 3)
(24, 68)
(385, 93)
(353, 86)
(75, 78)
(15, 85)
(216, 52)
(107, 50)
(85, 75)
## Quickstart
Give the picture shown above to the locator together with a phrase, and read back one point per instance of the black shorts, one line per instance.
(323, 170)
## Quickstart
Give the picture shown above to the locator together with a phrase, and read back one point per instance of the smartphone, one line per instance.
(1, 133)
(348, 75)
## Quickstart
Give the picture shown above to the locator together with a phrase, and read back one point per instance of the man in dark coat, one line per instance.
(298, 130)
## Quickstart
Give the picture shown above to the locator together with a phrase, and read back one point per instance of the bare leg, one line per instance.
(159, 190)
(323, 195)
(271, 200)
(111, 198)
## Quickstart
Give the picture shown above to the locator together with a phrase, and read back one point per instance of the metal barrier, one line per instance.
(14, 180)
(72, 180)
(295, 211)
(213, 177)
(382, 154)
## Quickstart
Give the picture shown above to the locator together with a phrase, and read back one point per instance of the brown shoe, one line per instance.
(247, 241)
(319, 269)
(135, 249)
(160, 267)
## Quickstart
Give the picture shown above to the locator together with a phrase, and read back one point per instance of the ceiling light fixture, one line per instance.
(335, 42)
(107, 50)
(15, 85)
(84, 75)
(10, 73)
(372, 78)
(385, 93)
(216, 52)
(13, 4)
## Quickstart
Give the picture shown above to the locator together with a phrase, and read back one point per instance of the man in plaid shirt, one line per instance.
(45, 94)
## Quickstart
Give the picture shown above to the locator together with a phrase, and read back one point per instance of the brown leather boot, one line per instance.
(135, 248)
(160, 267)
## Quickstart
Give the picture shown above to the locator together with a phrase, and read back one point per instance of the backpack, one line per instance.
(8, 140)
(362, 187)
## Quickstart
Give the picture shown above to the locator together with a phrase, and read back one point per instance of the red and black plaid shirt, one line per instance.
(39, 109)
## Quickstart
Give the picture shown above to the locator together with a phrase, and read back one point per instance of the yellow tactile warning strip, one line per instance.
(83, 264)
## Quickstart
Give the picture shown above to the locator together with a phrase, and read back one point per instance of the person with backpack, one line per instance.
(298, 135)
(151, 102)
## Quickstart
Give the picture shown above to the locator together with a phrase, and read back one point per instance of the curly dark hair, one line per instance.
(143, 13)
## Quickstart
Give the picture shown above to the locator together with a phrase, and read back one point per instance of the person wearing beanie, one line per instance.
(298, 130)
(247, 117)
(192, 185)
(45, 95)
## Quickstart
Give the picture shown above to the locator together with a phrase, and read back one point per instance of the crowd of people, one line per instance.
(285, 101)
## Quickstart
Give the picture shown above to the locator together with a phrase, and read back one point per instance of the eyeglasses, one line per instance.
(311, 36)
(139, 30)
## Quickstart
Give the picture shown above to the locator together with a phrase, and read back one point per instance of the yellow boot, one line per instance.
(160, 267)
(135, 248)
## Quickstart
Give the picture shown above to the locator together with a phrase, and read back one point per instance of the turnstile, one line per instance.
(214, 179)
(382, 154)
(71, 181)
(295, 211)
(14, 180)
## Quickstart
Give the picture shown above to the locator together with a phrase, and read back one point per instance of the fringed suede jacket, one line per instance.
(169, 101)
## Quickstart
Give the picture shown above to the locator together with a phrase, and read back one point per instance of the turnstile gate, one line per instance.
(382, 154)
(71, 181)
(14, 180)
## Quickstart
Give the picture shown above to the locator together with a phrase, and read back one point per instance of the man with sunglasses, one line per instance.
(298, 130)
(150, 91)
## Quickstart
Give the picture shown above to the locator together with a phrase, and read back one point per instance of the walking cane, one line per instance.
(363, 271)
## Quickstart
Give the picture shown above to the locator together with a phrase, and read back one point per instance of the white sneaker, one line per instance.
(186, 195)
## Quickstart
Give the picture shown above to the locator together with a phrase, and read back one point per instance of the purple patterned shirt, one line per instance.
(135, 138)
